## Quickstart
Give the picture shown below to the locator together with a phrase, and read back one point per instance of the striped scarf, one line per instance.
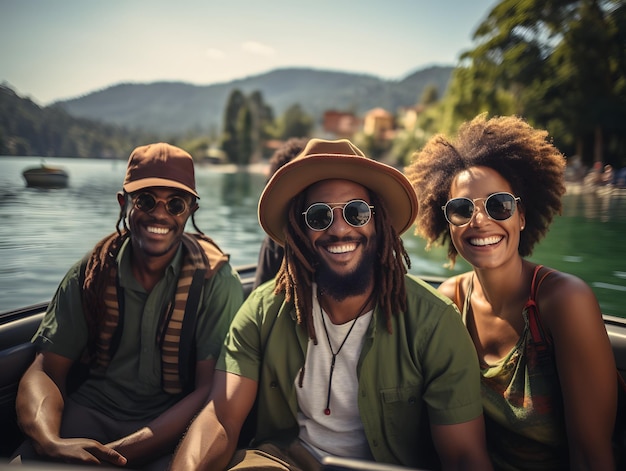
(202, 259)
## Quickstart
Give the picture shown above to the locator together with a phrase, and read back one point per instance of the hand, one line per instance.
(81, 450)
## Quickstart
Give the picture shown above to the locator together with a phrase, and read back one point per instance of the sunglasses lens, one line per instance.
(319, 216)
(459, 211)
(500, 206)
(145, 202)
(176, 206)
(357, 213)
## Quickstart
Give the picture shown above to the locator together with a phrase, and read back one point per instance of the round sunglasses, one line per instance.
(499, 207)
(146, 202)
(319, 216)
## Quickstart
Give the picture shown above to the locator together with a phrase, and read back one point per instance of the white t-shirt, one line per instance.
(340, 433)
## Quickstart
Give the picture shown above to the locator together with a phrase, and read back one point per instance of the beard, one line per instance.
(341, 286)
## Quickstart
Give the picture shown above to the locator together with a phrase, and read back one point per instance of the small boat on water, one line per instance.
(46, 176)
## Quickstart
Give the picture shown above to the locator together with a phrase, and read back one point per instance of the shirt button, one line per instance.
(412, 400)
(374, 442)
(273, 384)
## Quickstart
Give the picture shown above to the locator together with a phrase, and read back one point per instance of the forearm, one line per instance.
(193, 454)
(162, 434)
(39, 408)
(584, 457)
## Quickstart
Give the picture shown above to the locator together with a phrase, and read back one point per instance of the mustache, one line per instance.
(157, 220)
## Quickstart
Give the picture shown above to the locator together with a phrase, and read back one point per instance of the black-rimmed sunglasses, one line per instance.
(499, 207)
(146, 202)
(319, 216)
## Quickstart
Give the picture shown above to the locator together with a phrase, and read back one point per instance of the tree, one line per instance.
(430, 95)
(295, 123)
(262, 122)
(558, 63)
(246, 136)
(230, 138)
(247, 121)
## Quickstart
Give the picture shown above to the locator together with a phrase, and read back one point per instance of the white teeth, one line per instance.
(341, 248)
(486, 240)
(157, 230)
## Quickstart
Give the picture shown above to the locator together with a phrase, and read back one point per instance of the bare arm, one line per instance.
(212, 438)
(39, 405)
(586, 367)
(462, 446)
(448, 288)
(164, 432)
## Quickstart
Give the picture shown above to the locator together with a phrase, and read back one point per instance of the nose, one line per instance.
(160, 205)
(339, 223)
(479, 214)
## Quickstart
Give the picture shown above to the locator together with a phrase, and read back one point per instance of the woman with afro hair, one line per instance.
(548, 373)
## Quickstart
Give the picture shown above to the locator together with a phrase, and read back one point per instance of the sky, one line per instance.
(59, 49)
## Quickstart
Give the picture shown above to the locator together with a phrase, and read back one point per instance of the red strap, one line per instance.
(539, 338)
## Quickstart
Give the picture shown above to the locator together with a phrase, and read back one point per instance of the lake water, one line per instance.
(43, 232)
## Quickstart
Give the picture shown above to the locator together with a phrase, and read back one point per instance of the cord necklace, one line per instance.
(333, 353)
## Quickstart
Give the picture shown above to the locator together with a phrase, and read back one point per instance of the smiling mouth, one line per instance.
(344, 248)
(157, 230)
(485, 240)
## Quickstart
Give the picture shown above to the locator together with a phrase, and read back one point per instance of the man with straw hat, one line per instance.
(343, 352)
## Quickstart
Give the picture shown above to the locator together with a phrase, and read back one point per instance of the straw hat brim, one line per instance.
(387, 182)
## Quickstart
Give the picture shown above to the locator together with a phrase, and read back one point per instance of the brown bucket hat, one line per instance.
(340, 159)
(160, 164)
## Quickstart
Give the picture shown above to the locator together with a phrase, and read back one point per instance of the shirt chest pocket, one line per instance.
(403, 422)
(402, 409)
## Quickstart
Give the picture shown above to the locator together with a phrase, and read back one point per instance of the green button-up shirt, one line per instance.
(425, 371)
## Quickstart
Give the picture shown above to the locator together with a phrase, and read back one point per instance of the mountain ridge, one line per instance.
(176, 108)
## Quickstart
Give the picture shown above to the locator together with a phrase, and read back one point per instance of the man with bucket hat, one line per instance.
(343, 353)
(144, 315)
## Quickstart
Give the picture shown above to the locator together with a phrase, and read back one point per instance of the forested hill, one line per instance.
(28, 129)
(177, 108)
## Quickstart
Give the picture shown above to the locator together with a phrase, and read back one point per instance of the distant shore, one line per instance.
(578, 188)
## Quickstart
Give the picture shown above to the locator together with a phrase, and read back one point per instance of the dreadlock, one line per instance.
(98, 267)
(296, 274)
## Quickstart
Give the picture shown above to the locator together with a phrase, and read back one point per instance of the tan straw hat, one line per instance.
(324, 160)
(160, 164)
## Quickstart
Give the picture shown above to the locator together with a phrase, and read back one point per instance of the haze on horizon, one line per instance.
(64, 49)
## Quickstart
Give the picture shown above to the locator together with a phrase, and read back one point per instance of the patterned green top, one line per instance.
(522, 401)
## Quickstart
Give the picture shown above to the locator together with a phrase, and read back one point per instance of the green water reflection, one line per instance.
(587, 240)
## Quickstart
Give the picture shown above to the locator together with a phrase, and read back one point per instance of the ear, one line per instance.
(193, 208)
(522, 220)
(121, 199)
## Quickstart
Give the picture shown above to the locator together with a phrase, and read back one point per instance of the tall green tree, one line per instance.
(246, 136)
(430, 95)
(295, 123)
(558, 63)
(230, 137)
(262, 121)
(247, 124)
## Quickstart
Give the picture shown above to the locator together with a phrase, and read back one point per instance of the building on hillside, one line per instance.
(379, 123)
(407, 116)
(340, 124)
